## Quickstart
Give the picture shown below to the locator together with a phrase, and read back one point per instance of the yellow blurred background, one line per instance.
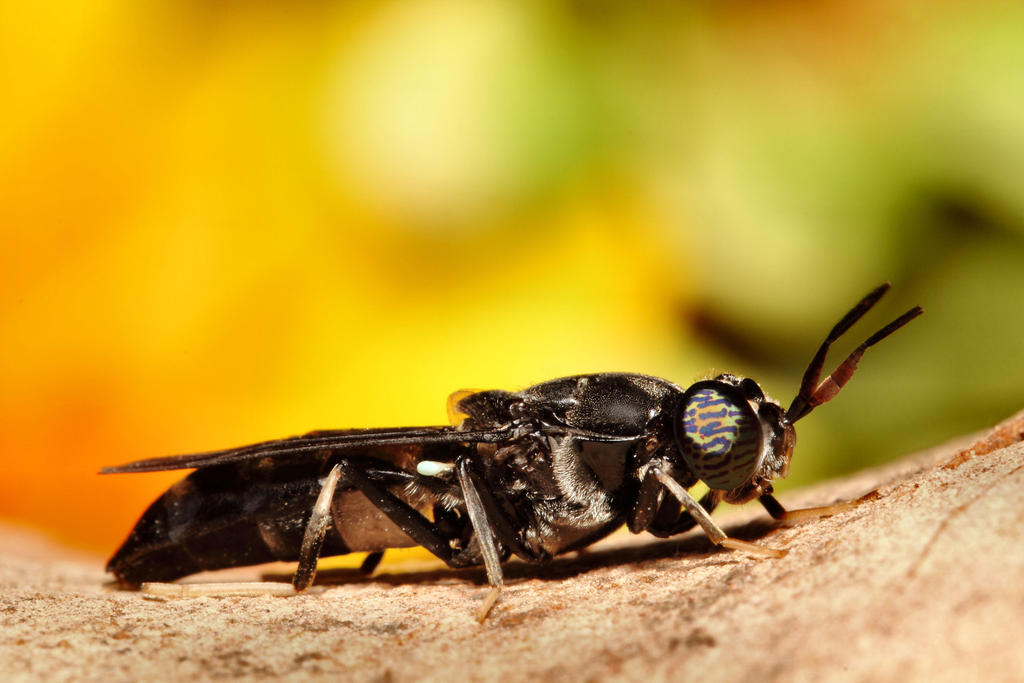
(224, 222)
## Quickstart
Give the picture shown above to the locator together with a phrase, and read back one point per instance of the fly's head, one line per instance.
(733, 437)
(737, 440)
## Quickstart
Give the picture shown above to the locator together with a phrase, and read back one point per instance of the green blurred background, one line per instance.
(227, 221)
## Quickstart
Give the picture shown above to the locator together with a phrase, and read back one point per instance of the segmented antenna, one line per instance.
(812, 393)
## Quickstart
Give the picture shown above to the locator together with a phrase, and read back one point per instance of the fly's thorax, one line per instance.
(470, 409)
(733, 437)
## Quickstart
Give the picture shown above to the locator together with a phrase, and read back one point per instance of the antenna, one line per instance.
(812, 393)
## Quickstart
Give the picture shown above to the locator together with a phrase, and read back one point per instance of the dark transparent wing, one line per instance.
(314, 442)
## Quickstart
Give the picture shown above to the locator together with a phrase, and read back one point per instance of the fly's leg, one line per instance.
(781, 514)
(419, 528)
(495, 531)
(370, 562)
(709, 501)
(484, 535)
(656, 517)
(504, 529)
(648, 499)
(642, 515)
(407, 518)
(427, 534)
(312, 542)
(713, 531)
(316, 528)
(217, 590)
(648, 502)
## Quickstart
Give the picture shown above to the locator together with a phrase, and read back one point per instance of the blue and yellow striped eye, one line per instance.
(719, 434)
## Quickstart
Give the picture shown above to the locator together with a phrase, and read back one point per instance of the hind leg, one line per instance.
(316, 528)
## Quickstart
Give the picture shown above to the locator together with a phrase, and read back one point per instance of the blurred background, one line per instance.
(230, 221)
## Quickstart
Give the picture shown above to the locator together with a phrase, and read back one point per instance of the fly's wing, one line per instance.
(314, 442)
(343, 439)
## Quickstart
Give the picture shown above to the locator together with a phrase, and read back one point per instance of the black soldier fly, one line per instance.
(534, 473)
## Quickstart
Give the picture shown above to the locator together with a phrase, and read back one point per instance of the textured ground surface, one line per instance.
(923, 580)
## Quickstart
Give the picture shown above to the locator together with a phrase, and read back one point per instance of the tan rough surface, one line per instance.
(924, 581)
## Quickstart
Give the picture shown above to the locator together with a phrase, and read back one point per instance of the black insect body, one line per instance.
(533, 474)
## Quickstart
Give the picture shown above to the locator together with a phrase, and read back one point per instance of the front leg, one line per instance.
(781, 514)
(649, 500)
(660, 516)
(646, 507)
(666, 528)
(713, 531)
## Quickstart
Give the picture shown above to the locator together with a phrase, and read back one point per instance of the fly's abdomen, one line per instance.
(228, 517)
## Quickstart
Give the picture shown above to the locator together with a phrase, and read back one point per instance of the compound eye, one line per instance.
(719, 435)
(751, 390)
